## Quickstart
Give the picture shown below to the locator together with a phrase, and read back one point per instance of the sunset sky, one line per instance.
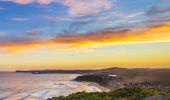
(84, 34)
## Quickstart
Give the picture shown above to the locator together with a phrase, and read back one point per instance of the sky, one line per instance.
(84, 34)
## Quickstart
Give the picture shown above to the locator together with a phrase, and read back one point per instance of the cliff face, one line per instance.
(98, 78)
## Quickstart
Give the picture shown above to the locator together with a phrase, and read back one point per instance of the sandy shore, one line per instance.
(102, 88)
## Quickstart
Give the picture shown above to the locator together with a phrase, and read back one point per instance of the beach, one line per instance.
(25, 86)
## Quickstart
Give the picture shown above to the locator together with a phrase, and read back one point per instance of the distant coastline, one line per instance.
(124, 76)
(56, 71)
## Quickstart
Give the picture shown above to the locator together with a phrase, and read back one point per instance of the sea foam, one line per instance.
(21, 86)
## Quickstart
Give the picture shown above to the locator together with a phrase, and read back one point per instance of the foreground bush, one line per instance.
(133, 93)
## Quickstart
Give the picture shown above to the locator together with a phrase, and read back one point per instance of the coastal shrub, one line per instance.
(132, 93)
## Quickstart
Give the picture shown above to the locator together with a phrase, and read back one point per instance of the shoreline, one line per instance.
(102, 88)
(44, 86)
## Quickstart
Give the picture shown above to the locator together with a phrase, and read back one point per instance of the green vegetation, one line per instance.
(133, 93)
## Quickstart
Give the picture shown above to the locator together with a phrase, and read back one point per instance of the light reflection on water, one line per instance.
(24, 86)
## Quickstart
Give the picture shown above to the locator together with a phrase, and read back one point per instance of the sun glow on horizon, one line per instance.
(77, 34)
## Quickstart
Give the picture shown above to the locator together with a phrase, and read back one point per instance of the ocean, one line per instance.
(25, 86)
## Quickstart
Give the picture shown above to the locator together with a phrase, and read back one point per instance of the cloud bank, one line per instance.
(155, 33)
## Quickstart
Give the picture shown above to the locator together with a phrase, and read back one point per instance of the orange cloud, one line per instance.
(155, 33)
(151, 34)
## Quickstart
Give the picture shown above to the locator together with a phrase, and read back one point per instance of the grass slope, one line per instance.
(131, 93)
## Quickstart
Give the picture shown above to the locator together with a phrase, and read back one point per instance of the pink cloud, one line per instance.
(86, 7)
(45, 1)
(30, 1)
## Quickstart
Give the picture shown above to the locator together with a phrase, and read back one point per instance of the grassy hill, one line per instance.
(133, 93)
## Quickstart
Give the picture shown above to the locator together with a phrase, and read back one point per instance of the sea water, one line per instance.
(25, 86)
